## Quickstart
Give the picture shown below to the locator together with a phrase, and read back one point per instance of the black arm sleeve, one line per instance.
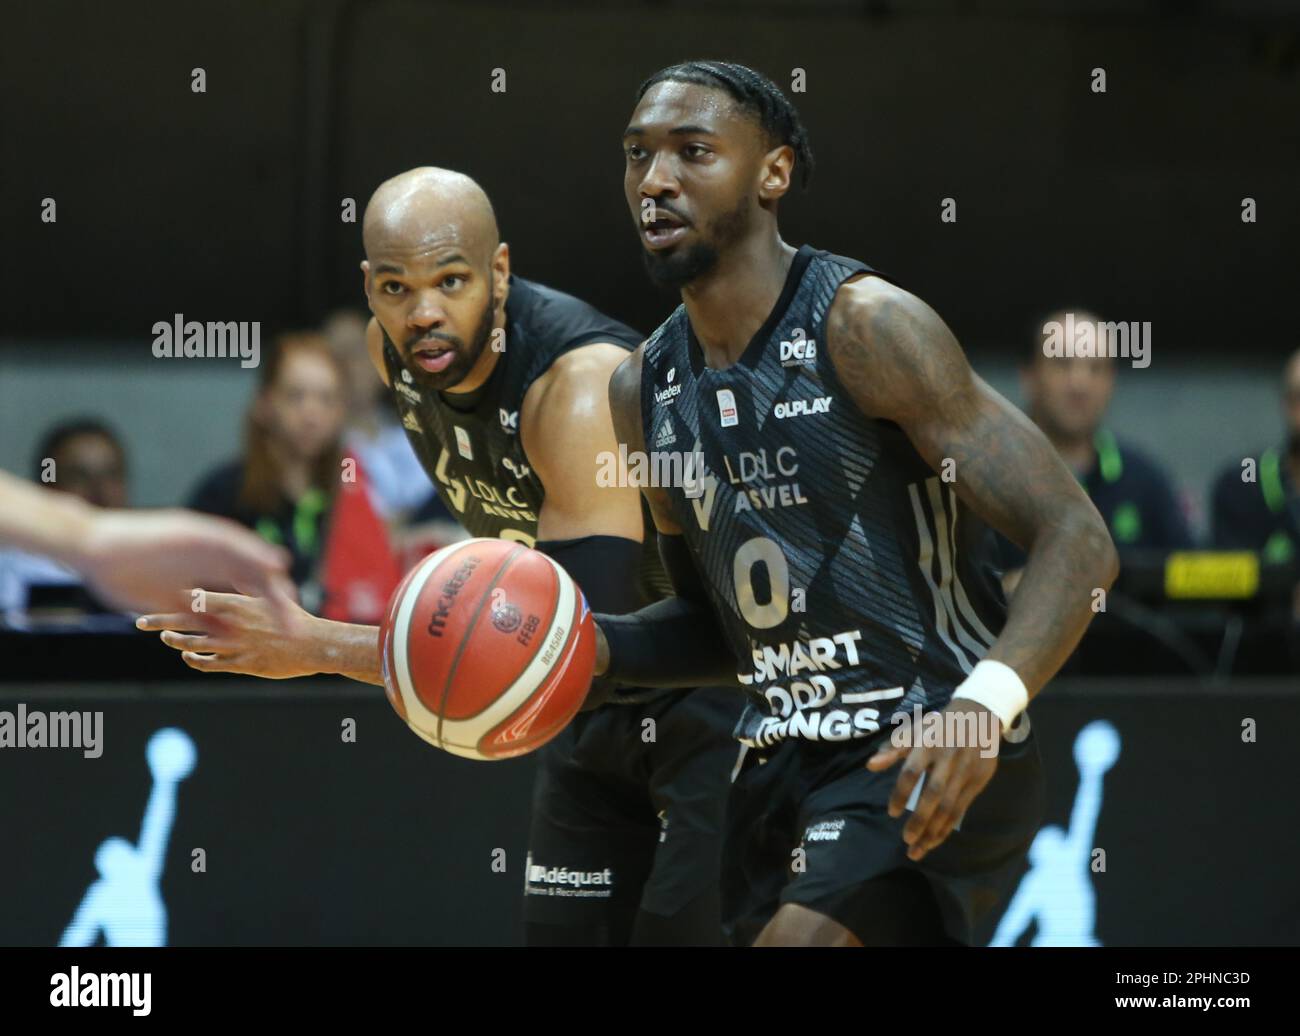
(606, 568)
(676, 642)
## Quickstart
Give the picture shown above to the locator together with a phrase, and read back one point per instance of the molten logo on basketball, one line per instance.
(448, 597)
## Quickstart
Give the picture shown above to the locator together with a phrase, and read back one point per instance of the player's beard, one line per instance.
(464, 357)
(677, 267)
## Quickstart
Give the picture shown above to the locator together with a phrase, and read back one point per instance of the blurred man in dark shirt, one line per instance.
(85, 458)
(1067, 398)
(1256, 505)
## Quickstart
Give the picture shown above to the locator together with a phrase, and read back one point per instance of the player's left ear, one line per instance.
(774, 174)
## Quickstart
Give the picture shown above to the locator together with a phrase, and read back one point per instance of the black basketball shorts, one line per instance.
(628, 813)
(820, 798)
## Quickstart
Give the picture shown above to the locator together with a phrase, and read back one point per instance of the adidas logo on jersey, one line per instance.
(410, 422)
(666, 436)
(799, 353)
(802, 407)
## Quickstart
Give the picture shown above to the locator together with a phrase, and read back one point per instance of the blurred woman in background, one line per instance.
(285, 483)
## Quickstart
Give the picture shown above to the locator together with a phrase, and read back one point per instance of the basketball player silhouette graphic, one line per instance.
(126, 903)
(1057, 892)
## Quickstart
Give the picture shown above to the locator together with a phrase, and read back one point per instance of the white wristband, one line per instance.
(997, 687)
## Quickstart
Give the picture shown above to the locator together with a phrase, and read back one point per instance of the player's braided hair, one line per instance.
(756, 94)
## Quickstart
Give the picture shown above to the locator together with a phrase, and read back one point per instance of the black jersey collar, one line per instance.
(754, 350)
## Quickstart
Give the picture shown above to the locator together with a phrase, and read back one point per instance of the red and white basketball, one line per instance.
(487, 649)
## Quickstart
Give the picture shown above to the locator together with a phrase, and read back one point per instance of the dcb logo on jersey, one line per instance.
(802, 352)
(463, 446)
(509, 420)
(666, 395)
(727, 408)
(802, 407)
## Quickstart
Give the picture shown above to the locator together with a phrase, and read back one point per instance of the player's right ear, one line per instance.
(365, 282)
(375, 346)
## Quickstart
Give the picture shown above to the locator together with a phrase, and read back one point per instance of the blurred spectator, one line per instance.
(83, 457)
(398, 483)
(1263, 513)
(284, 484)
(1067, 398)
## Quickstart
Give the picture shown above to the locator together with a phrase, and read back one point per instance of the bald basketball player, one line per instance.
(138, 559)
(502, 385)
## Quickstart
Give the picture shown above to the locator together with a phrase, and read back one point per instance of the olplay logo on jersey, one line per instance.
(518, 470)
(665, 395)
(802, 352)
(727, 408)
(802, 407)
(509, 420)
(463, 446)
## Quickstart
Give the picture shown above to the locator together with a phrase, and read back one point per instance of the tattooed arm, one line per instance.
(900, 362)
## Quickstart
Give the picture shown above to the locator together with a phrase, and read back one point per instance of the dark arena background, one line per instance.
(1006, 160)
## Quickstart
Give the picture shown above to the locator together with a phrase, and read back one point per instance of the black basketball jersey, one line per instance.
(848, 576)
(470, 445)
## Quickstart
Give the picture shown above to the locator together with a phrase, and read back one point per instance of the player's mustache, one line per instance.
(426, 339)
(660, 207)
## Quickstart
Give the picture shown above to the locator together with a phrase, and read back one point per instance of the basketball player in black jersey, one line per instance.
(502, 385)
(833, 548)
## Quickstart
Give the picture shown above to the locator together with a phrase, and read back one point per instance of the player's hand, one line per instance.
(237, 633)
(954, 776)
(141, 560)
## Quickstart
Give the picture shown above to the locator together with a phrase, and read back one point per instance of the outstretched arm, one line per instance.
(238, 633)
(593, 532)
(139, 559)
(1086, 810)
(156, 828)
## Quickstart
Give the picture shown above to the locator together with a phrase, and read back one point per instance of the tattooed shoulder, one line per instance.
(892, 351)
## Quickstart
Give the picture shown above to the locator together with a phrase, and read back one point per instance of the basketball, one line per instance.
(487, 649)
